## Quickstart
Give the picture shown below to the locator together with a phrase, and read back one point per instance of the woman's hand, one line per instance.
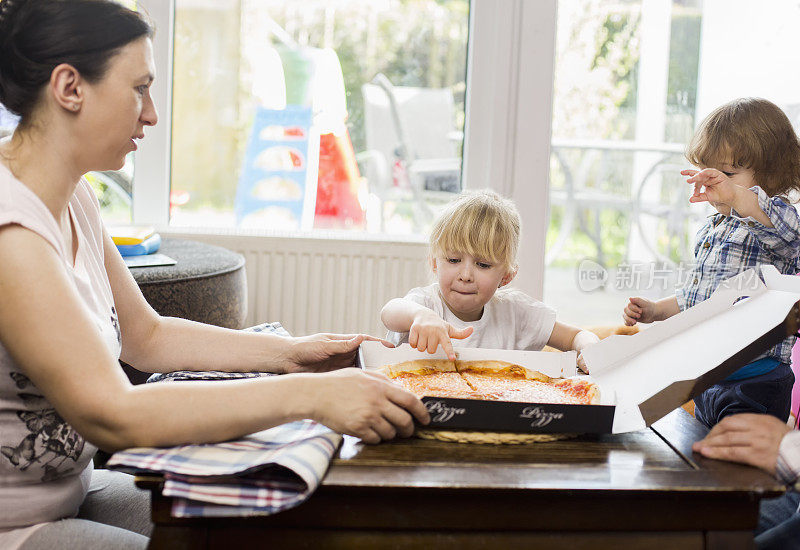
(325, 352)
(365, 404)
(747, 438)
(429, 331)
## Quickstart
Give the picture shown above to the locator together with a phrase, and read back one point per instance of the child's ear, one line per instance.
(508, 277)
(432, 260)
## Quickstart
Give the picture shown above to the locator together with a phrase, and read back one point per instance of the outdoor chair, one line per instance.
(410, 132)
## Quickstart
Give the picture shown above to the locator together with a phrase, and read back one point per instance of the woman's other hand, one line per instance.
(366, 405)
(325, 352)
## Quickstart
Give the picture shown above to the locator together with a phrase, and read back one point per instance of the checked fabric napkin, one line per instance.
(260, 474)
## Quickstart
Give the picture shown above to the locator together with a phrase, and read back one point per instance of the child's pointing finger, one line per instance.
(447, 346)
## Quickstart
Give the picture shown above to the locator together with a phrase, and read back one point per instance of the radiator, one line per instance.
(322, 284)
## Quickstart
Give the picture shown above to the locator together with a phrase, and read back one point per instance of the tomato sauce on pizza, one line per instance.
(434, 383)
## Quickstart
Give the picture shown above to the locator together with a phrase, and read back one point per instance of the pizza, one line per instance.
(489, 380)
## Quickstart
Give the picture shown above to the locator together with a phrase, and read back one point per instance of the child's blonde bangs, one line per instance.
(480, 224)
(493, 249)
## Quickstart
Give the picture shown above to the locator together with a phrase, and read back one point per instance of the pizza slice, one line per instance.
(502, 381)
(433, 378)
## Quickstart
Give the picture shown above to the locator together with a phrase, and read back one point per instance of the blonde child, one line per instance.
(749, 157)
(473, 251)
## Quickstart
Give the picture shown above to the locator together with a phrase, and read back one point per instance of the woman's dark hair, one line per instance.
(38, 35)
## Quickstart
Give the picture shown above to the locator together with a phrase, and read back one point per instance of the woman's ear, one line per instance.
(508, 277)
(66, 87)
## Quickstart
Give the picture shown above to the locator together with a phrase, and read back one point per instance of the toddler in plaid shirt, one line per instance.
(749, 157)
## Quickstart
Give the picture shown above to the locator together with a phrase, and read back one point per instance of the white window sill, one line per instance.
(319, 235)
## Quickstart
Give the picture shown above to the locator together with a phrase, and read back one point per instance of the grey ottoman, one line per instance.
(208, 284)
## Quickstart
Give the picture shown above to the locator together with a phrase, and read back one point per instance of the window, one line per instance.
(317, 115)
(506, 122)
(632, 81)
(114, 190)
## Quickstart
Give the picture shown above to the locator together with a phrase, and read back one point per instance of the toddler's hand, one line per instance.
(718, 187)
(429, 331)
(639, 310)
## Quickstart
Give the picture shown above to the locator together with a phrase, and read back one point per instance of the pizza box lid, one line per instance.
(655, 371)
(374, 355)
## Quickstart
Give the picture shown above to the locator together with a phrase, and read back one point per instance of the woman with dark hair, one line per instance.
(78, 73)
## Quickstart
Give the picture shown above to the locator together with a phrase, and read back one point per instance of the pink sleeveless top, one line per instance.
(45, 465)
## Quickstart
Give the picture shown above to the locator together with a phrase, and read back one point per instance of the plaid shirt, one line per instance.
(729, 245)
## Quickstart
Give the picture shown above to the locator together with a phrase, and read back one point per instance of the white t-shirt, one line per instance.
(45, 465)
(510, 320)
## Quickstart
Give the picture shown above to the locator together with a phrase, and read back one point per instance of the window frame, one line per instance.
(507, 130)
(152, 161)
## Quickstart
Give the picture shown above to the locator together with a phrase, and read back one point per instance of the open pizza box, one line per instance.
(642, 377)
(474, 414)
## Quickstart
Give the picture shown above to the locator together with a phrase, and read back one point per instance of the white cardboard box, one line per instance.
(642, 377)
(660, 368)
(474, 414)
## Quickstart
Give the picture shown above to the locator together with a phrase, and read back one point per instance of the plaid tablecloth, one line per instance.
(259, 474)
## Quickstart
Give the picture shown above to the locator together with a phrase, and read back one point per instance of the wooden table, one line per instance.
(639, 490)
